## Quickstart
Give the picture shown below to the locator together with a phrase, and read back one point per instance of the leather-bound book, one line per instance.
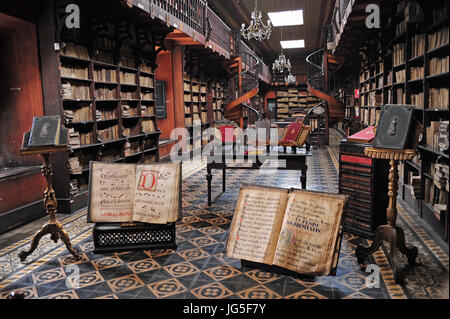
(365, 136)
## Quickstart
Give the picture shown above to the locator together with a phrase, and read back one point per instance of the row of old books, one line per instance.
(147, 110)
(128, 62)
(417, 99)
(400, 28)
(73, 91)
(417, 45)
(145, 67)
(106, 114)
(389, 77)
(204, 116)
(399, 53)
(400, 76)
(105, 75)
(146, 95)
(130, 130)
(438, 98)
(401, 97)
(104, 93)
(104, 56)
(104, 43)
(148, 126)
(127, 78)
(416, 72)
(108, 134)
(127, 95)
(78, 72)
(75, 50)
(439, 65)
(438, 39)
(81, 114)
(128, 111)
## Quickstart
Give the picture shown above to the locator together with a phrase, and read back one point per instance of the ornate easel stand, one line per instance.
(53, 227)
(391, 233)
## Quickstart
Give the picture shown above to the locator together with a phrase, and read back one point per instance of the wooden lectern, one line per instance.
(391, 233)
(46, 137)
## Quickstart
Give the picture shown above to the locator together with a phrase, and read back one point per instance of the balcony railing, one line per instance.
(341, 12)
(220, 33)
(201, 23)
(190, 12)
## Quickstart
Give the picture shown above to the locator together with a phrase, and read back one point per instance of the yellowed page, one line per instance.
(256, 223)
(156, 193)
(111, 192)
(309, 232)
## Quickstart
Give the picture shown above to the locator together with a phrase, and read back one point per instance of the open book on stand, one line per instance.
(129, 193)
(293, 229)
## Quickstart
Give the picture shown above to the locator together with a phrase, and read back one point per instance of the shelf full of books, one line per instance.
(196, 111)
(292, 98)
(107, 100)
(415, 70)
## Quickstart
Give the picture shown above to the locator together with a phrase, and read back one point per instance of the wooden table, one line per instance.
(291, 159)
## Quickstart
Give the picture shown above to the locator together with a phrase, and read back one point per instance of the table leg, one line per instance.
(303, 177)
(224, 177)
(208, 179)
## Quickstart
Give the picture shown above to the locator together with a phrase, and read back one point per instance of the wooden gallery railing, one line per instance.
(200, 22)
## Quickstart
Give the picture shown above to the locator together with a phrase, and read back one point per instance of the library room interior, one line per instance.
(234, 150)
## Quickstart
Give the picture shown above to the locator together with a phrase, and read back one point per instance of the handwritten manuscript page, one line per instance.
(256, 223)
(156, 196)
(308, 236)
(111, 196)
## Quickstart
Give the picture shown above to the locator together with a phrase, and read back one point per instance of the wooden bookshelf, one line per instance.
(415, 70)
(107, 99)
(293, 97)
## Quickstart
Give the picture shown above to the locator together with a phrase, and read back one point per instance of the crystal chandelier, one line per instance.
(257, 29)
(281, 63)
(290, 78)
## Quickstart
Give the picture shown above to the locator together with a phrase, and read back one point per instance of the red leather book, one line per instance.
(356, 159)
(227, 133)
(292, 133)
(365, 136)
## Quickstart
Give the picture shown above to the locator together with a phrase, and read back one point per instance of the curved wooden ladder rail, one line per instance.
(316, 82)
(234, 109)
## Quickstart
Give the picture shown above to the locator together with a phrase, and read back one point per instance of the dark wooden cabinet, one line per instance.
(365, 180)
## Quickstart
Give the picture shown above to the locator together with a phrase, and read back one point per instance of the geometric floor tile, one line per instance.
(199, 268)
(165, 288)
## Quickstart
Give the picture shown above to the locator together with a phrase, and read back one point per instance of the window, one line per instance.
(161, 108)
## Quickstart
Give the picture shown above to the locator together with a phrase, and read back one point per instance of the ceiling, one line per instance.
(316, 13)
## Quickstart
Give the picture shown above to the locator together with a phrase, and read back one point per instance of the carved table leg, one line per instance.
(224, 178)
(208, 179)
(303, 177)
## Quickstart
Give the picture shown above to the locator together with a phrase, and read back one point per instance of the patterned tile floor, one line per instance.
(199, 269)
